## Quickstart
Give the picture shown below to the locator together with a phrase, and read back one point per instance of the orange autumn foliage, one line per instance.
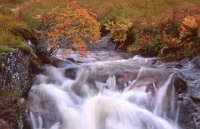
(189, 27)
(72, 28)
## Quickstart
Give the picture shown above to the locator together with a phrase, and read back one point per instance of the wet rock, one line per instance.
(71, 73)
(187, 113)
(61, 63)
(188, 94)
(180, 85)
(24, 121)
(196, 62)
(151, 78)
(43, 52)
(105, 43)
(76, 60)
(125, 55)
(123, 78)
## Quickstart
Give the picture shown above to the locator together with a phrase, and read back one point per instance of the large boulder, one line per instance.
(15, 72)
(15, 82)
(188, 95)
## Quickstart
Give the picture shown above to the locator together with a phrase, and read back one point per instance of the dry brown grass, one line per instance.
(106, 9)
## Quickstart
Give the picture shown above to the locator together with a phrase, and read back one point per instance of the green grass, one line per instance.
(13, 32)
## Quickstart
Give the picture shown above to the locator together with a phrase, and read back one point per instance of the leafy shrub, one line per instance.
(173, 37)
(189, 28)
(72, 28)
(147, 41)
(121, 32)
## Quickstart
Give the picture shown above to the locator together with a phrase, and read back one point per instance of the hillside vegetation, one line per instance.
(164, 28)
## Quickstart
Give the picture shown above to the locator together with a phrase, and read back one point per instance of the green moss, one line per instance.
(25, 48)
(25, 32)
(5, 49)
(9, 42)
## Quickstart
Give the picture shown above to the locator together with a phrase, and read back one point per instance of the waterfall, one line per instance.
(118, 94)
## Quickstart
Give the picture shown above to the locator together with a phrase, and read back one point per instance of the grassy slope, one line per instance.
(8, 40)
(105, 9)
(112, 9)
(14, 31)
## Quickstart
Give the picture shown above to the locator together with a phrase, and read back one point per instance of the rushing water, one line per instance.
(118, 94)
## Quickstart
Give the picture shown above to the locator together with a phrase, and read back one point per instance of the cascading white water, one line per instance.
(95, 99)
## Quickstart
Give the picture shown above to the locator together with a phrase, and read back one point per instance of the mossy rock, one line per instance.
(6, 49)
(25, 32)
(9, 43)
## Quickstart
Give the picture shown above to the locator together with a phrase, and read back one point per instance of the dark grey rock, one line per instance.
(15, 72)
(187, 113)
(105, 43)
(188, 95)
(71, 72)
(43, 52)
(196, 62)
(15, 82)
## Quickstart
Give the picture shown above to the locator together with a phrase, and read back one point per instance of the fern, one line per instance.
(119, 31)
(189, 28)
